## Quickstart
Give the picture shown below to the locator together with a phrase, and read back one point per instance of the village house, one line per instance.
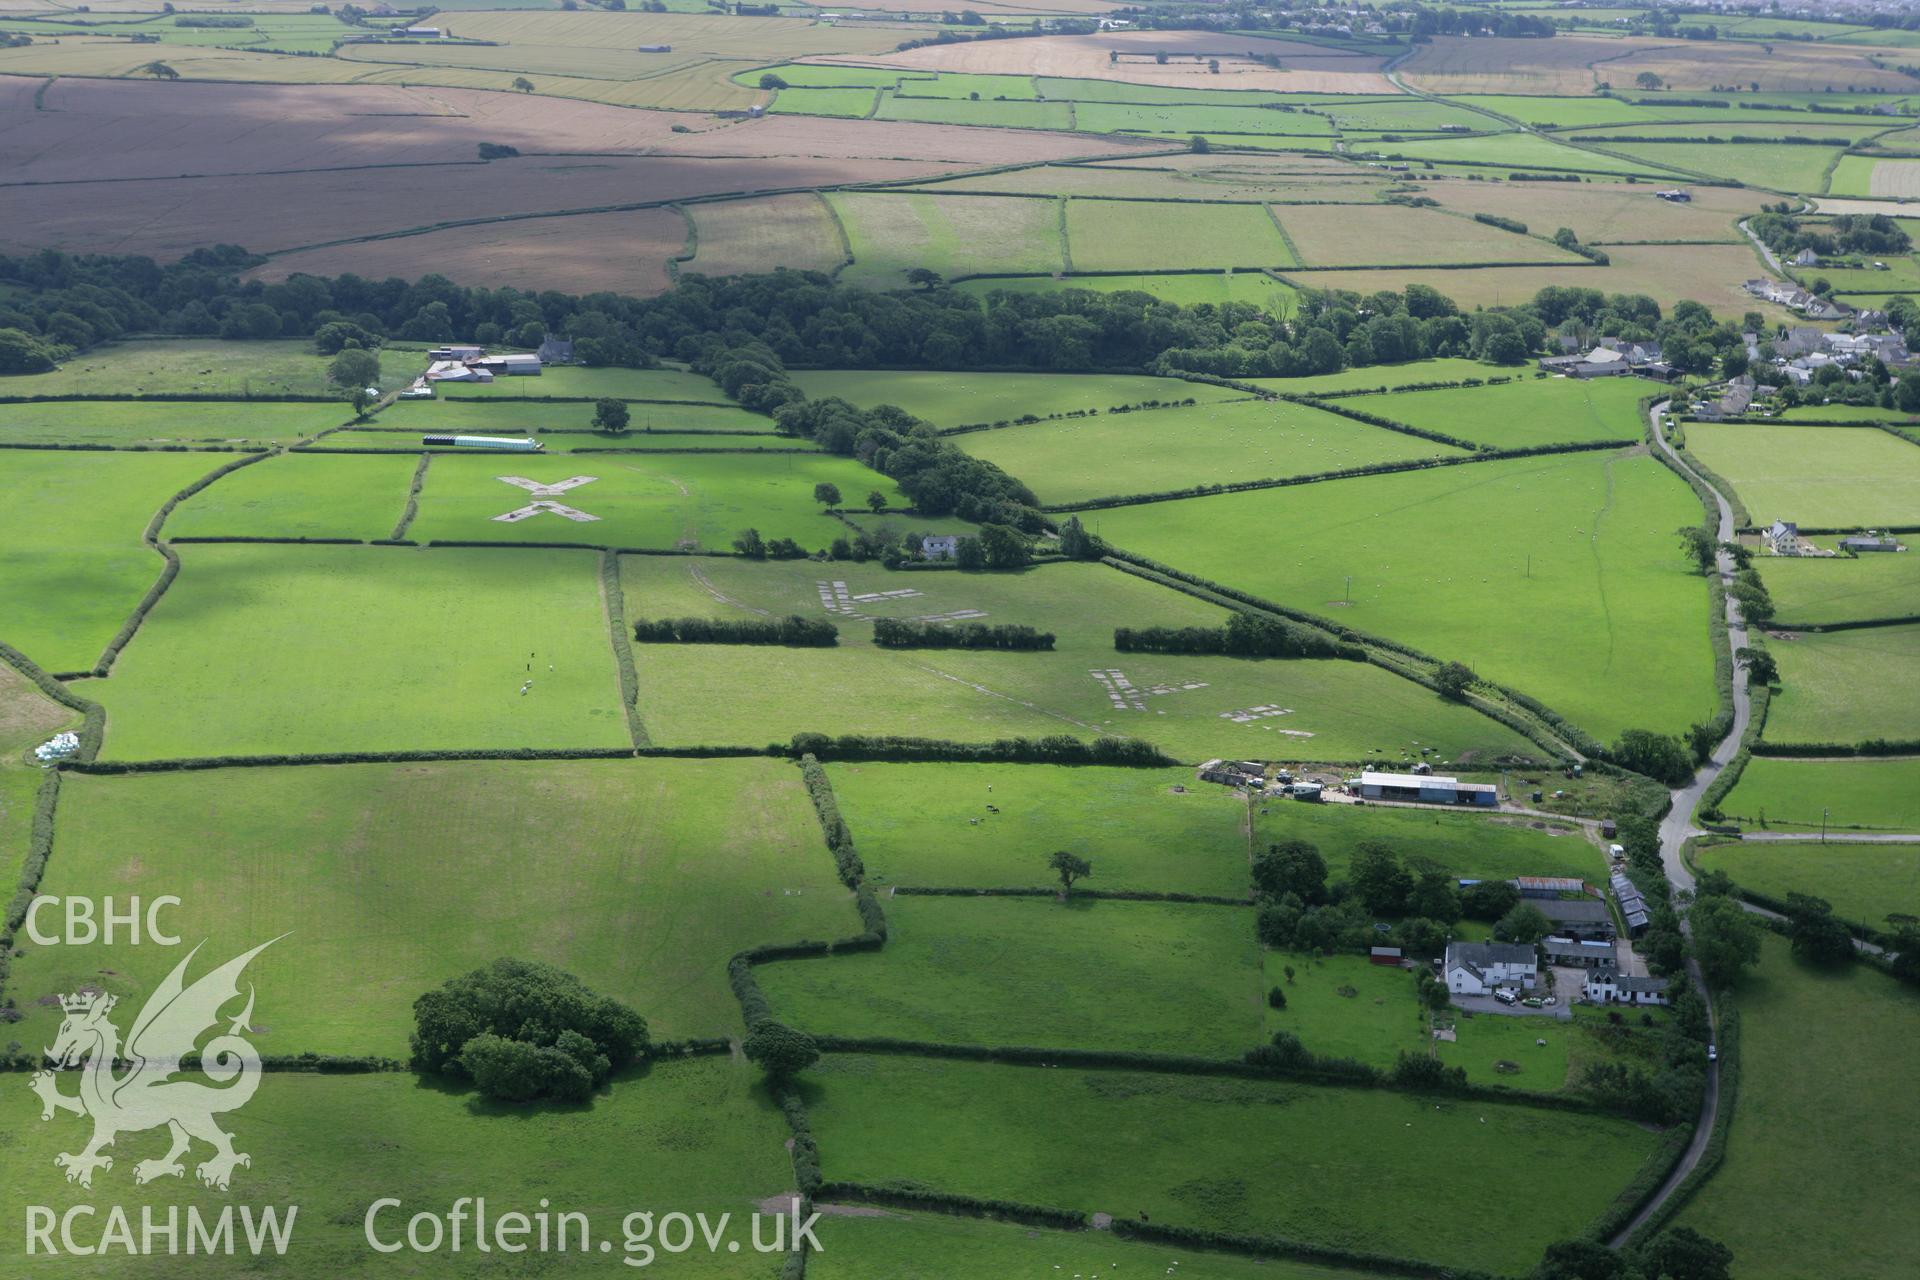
(1480, 968)
(940, 546)
(1783, 538)
(1609, 986)
(556, 351)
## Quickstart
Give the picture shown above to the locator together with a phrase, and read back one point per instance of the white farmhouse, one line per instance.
(1479, 968)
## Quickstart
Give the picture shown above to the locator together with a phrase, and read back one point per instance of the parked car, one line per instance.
(1713, 1053)
(1533, 1002)
(1505, 996)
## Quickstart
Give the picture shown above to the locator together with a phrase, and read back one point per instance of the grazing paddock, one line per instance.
(1188, 288)
(1162, 449)
(581, 383)
(733, 426)
(1471, 845)
(1820, 477)
(1343, 1006)
(1110, 235)
(1884, 179)
(739, 237)
(964, 399)
(1193, 707)
(850, 103)
(1578, 547)
(1865, 882)
(1515, 150)
(692, 1136)
(265, 649)
(1018, 970)
(1817, 589)
(1840, 1120)
(1156, 830)
(75, 566)
(954, 235)
(195, 366)
(1002, 115)
(1779, 166)
(1371, 235)
(1847, 686)
(161, 422)
(1520, 415)
(655, 501)
(301, 496)
(1327, 1166)
(424, 871)
(626, 252)
(1799, 795)
(1378, 377)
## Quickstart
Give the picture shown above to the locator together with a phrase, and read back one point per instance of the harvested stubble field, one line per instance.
(1847, 686)
(1817, 589)
(693, 1136)
(1343, 1167)
(1867, 176)
(1156, 830)
(1798, 795)
(1820, 477)
(1194, 707)
(1560, 66)
(263, 649)
(1452, 560)
(1161, 449)
(1113, 235)
(738, 236)
(1230, 178)
(1796, 1097)
(655, 501)
(75, 566)
(1015, 970)
(964, 399)
(1376, 235)
(423, 871)
(625, 252)
(954, 235)
(1600, 213)
(300, 496)
(120, 422)
(1574, 65)
(1525, 413)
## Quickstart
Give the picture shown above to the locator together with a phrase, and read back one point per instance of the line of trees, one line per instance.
(1245, 635)
(794, 630)
(895, 633)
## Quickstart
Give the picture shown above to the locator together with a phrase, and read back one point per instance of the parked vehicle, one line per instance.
(1505, 996)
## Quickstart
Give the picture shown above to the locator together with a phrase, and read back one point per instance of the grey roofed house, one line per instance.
(942, 546)
(556, 351)
(1859, 543)
(1485, 955)
(1798, 341)
(1806, 258)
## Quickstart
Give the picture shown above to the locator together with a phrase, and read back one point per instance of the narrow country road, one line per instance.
(1678, 826)
(1773, 263)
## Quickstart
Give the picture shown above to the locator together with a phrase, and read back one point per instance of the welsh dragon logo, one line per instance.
(145, 1095)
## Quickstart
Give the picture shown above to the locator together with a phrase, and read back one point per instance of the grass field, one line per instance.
(954, 235)
(1381, 376)
(1392, 235)
(1884, 179)
(1864, 882)
(1165, 449)
(1522, 414)
(1120, 235)
(1798, 795)
(929, 824)
(27, 718)
(1194, 707)
(1516, 150)
(1333, 1166)
(645, 500)
(642, 877)
(737, 236)
(1467, 845)
(1780, 166)
(1342, 1006)
(1838, 1119)
(1019, 971)
(1817, 589)
(1187, 288)
(689, 1136)
(1437, 557)
(197, 366)
(297, 649)
(580, 383)
(118, 422)
(967, 399)
(301, 496)
(1847, 686)
(75, 566)
(454, 414)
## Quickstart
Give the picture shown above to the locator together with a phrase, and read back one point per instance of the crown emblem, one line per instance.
(85, 1002)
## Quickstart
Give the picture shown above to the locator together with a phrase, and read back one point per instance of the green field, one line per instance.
(1818, 477)
(1475, 846)
(1011, 115)
(1165, 449)
(1516, 150)
(1351, 1168)
(75, 566)
(200, 366)
(260, 649)
(120, 422)
(1839, 1120)
(640, 876)
(1521, 415)
(655, 501)
(1797, 795)
(1847, 686)
(713, 693)
(1125, 235)
(953, 235)
(27, 719)
(1157, 830)
(688, 1136)
(579, 383)
(967, 399)
(301, 496)
(1864, 882)
(1176, 978)
(1779, 166)
(1809, 590)
(1343, 1006)
(1579, 547)
(1376, 377)
(1188, 288)
(522, 418)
